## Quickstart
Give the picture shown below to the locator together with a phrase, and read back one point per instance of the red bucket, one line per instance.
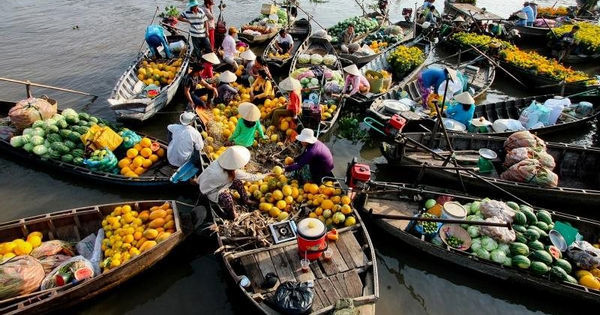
(311, 238)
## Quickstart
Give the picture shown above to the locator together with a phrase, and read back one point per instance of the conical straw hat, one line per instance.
(249, 111)
(227, 77)
(235, 157)
(290, 84)
(352, 69)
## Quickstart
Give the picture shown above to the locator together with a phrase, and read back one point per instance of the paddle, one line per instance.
(422, 219)
(498, 65)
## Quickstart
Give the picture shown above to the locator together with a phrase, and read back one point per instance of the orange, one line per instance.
(145, 142)
(124, 162)
(131, 153)
(281, 204)
(137, 146)
(346, 200)
(289, 200)
(137, 161)
(153, 158)
(146, 152)
(140, 170)
(327, 204)
(313, 189)
(147, 163)
(125, 170)
(277, 195)
(160, 152)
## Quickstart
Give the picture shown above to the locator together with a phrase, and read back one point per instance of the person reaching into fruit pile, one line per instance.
(229, 49)
(248, 126)
(430, 80)
(193, 93)
(293, 108)
(208, 62)
(155, 37)
(315, 162)
(261, 88)
(186, 141)
(284, 42)
(355, 82)
(225, 90)
(248, 60)
(462, 109)
(198, 28)
(226, 174)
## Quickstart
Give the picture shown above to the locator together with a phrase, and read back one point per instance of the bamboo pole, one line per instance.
(28, 84)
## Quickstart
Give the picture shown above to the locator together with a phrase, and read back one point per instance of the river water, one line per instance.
(39, 43)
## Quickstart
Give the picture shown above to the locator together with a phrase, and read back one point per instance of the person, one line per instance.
(248, 60)
(293, 108)
(261, 89)
(209, 60)
(462, 108)
(284, 42)
(534, 8)
(247, 126)
(355, 81)
(198, 28)
(155, 37)
(186, 141)
(431, 79)
(527, 15)
(225, 90)
(566, 42)
(427, 4)
(259, 64)
(208, 11)
(430, 15)
(521, 19)
(347, 38)
(190, 88)
(316, 157)
(229, 49)
(225, 174)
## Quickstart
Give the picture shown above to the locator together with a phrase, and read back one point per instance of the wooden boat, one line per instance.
(73, 225)
(158, 175)
(321, 46)
(480, 72)
(300, 31)
(359, 61)
(528, 34)
(576, 166)
(380, 63)
(124, 99)
(399, 199)
(575, 58)
(352, 272)
(468, 10)
(256, 40)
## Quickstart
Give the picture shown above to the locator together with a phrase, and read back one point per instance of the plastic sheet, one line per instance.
(584, 255)
(20, 275)
(294, 297)
(531, 171)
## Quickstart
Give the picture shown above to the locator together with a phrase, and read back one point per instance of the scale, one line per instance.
(283, 231)
(485, 160)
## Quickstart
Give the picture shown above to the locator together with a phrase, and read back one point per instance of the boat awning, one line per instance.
(478, 14)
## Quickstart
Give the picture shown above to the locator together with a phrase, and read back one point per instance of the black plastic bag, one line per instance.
(294, 297)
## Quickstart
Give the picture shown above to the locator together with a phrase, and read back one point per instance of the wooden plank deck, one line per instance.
(333, 280)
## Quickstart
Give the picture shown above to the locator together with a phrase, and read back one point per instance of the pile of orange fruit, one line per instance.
(330, 206)
(270, 105)
(19, 246)
(140, 158)
(130, 233)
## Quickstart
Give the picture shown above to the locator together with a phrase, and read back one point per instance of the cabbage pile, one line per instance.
(304, 58)
(329, 60)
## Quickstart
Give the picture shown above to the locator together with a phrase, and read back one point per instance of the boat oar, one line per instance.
(440, 220)
(310, 16)
(29, 84)
(361, 7)
(497, 65)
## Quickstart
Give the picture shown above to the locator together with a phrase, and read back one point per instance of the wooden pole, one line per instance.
(498, 65)
(28, 84)
(422, 219)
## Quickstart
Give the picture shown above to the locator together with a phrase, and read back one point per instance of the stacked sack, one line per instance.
(527, 160)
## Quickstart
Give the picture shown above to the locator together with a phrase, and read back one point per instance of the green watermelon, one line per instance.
(53, 137)
(539, 268)
(565, 265)
(84, 116)
(531, 218)
(67, 158)
(571, 279)
(558, 273)
(517, 248)
(70, 144)
(519, 228)
(544, 216)
(521, 261)
(520, 238)
(532, 234)
(78, 160)
(536, 245)
(542, 226)
(75, 136)
(77, 153)
(513, 205)
(65, 133)
(554, 251)
(541, 255)
(520, 218)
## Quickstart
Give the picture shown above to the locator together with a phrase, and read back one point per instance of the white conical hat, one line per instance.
(452, 74)
(249, 111)
(212, 58)
(307, 135)
(235, 157)
(290, 84)
(464, 98)
(248, 55)
(227, 77)
(352, 69)
(459, 19)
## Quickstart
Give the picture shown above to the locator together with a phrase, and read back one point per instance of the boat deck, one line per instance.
(395, 207)
(469, 10)
(335, 279)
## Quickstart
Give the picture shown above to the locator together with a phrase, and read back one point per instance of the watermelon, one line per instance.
(521, 261)
(52, 128)
(519, 228)
(539, 268)
(62, 124)
(83, 123)
(565, 265)
(542, 233)
(517, 248)
(544, 216)
(70, 144)
(520, 218)
(93, 120)
(84, 116)
(531, 234)
(65, 133)
(75, 136)
(520, 238)
(513, 205)
(554, 251)
(77, 153)
(558, 273)
(536, 245)
(83, 273)
(542, 226)
(531, 218)
(507, 262)
(78, 160)
(68, 158)
(72, 120)
(53, 137)
(571, 279)
(541, 255)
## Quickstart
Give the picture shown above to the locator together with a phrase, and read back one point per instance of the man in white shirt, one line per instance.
(186, 140)
(284, 42)
(229, 49)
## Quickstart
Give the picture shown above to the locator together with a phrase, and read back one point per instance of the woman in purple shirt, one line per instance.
(316, 156)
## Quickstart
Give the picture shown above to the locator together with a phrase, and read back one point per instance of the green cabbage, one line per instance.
(473, 231)
(17, 141)
(505, 248)
(37, 131)
(482, 253)
(69, 113)
(36, 140)
(40, 149)
(498, 256)
(476, 244)
(28, 147)
(488, 243)
(507, 262)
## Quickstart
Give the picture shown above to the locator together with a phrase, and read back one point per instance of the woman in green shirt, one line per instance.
(247, 126)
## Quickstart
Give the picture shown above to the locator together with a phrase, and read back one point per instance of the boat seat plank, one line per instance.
(265, 264)
(345, 254)
(355, 250)
(328, 289)
(316, 269)
(282, 265)
(339, 284)
(319, 298)
(336, 264)
(254, 274)
(394, 207)
(294, 259)
(353, 283)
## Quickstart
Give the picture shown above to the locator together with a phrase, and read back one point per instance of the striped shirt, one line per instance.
(197, 23)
